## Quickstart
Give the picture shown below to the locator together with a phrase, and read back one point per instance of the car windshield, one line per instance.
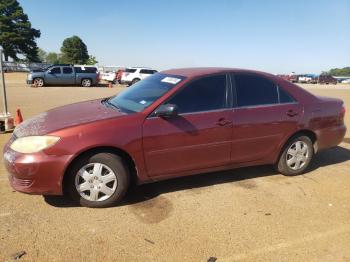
(143, 93)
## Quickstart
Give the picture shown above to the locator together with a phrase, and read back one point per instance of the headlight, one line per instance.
(32, 144)
(30, 77)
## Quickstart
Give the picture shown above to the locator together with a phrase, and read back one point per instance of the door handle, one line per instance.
(223, 122)
(292, 113)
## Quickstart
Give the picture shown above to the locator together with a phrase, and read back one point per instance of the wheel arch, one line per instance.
(102, 149)
(307, 132)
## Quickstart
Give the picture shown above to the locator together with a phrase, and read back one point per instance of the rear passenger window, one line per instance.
(146, 71)
(253, 90)
(67, 70)
(284, 96)
(205, 94)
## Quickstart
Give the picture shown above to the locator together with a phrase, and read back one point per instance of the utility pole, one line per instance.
(4, 98)
(6, 120)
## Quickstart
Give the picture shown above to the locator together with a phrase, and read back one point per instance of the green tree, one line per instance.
(74, 51)
(345, 71)
(42, 55)
(16, 33)
(91, 61)
(53, 58)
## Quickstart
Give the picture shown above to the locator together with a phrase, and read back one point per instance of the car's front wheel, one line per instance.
(38, 82)
(98, 180)
(296, 156)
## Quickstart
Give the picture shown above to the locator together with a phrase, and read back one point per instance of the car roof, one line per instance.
(199, 71)
(139, 67)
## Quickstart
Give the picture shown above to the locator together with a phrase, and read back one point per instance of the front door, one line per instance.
(198, 138)
(53, 76)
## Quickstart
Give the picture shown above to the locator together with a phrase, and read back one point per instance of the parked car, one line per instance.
(305, 79)
(132, 75)
(327, 79)
(114, 77)
(113, 74)
(64, 74)
(346, 81)
(174, 123)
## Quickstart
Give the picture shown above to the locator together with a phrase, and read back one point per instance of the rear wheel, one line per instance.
(98, 180)
(296, 156)
(86, 82)
(38, 82)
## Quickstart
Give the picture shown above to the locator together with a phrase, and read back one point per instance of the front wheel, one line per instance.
(86, 82)
(38, 82)
(296, 156)
(98, 180)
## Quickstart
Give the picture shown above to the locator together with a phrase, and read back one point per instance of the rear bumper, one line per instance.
(35, 173)
(330, 137)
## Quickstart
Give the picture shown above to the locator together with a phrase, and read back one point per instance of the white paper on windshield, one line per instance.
(142, 102)
(171, 80)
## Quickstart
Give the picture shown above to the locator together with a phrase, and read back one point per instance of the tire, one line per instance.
(93, 175)
(296, 156)
(134, 81)
(86, 82)
(38, 82)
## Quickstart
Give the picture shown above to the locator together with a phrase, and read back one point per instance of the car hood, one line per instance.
(66, 116)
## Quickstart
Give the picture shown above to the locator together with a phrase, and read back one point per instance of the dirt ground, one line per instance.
(248, 214)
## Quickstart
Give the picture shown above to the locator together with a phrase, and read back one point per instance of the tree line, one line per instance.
(345, 71)
(18, 40)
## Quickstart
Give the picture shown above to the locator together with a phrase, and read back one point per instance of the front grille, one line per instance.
(22, 182)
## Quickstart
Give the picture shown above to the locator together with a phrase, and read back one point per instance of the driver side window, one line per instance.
(205, 94)
(55, 70)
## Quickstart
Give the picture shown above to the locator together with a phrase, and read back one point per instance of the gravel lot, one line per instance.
(247, 214)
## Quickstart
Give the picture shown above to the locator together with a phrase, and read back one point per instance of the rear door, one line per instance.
(53, 76)
(198, 138)
(264, 115)
(68, 75)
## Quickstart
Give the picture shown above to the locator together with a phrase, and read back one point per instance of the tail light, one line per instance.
(342, 112)
(98, 77)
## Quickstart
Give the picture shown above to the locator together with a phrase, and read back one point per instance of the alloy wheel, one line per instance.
(297, 155)
(96, 182)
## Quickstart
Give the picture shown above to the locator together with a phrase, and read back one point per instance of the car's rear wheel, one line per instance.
(38, 82)
(86, 82)
(135, 81)
(98, 180)
(296, 156)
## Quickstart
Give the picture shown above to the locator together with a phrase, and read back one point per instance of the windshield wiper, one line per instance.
(107, 103)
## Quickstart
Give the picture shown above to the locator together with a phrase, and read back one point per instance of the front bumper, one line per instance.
(29, 82)
(36, 173)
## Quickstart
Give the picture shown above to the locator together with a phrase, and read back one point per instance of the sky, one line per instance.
(270, 35)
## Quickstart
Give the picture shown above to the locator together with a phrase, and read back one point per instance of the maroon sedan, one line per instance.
(174, 123)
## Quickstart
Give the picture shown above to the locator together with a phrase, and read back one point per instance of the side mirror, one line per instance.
(166, 111)
(50, 72)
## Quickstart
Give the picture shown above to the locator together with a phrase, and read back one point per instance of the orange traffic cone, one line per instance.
(19, 118)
